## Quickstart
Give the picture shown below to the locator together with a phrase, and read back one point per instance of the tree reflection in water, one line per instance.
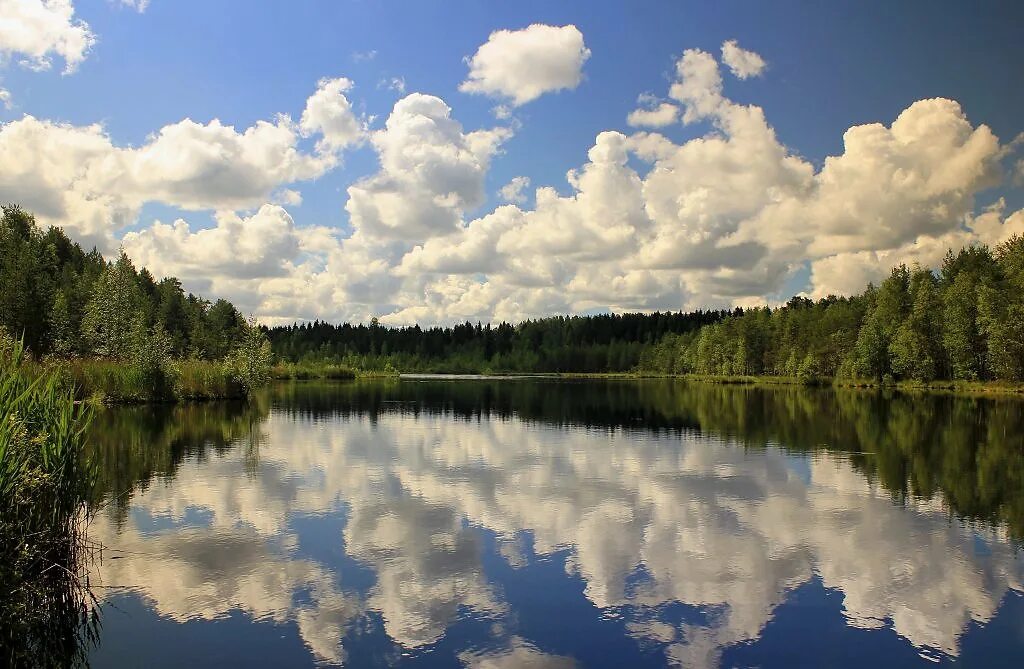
(655, 494)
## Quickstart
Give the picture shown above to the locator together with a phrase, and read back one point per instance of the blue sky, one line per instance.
(830, 66)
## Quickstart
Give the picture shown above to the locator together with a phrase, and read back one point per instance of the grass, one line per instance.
(115, 382)
(46, 610)
(309, 370)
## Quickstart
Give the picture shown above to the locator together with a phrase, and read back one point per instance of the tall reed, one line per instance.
(47, 614)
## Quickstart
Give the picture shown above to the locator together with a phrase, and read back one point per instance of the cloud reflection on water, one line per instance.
(647, 521)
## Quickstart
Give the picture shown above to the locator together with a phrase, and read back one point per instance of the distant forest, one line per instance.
(598, 343)
(962, 322)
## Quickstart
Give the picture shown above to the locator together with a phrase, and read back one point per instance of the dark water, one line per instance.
(537, 523)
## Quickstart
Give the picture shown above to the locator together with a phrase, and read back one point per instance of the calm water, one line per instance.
(541, 523)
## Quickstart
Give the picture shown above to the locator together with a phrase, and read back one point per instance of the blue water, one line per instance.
(398, 525)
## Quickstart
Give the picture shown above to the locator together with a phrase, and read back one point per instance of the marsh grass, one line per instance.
(47, 613)
(311, 370)
(118, 382)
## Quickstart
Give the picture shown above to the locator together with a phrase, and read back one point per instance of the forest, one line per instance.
(114, 331)
(597, 343)
(964, 322)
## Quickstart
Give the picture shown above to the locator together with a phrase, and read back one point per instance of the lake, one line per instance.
(554, 523)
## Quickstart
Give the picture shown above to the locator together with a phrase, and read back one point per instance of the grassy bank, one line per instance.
(308, 370)
(114, 382)
(46, 611)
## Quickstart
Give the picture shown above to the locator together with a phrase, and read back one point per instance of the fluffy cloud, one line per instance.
(663, 114)
(34, 30)
(524, 64)
(76, 177)
(725, 217)
(742, 63)
(720, 219)
(260, 245)
(513, 190)
(848, 272)
(430, 172)
(329, 113)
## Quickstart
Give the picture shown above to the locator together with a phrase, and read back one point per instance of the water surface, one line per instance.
(548, 523)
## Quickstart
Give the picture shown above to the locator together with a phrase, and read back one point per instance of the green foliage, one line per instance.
(27, 262)
(599, 343)
(965, 324)
(112, 310)
(45, 610)
(309, 370)
(115, 332)
(151, 360)
(64, 301)
(249, 364)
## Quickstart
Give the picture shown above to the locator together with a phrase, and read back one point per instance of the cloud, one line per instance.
(76, 177)
(698, 85)
(138, 5)
(519, 655)
(848, 272)
(742, 63)
(729, 215)
(431, 172)
(664, 114)
(724, 218)
(513, 190)
(396, 84)
(261, 245)
(364, 56)
(522, 65)
(35, 29)
(329, 113)
(5, 99)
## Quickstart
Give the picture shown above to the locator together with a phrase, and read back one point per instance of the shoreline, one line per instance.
(944, 386)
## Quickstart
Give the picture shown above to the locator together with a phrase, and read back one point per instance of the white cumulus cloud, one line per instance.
(78, 178)
(660, 116)
(329, 113)
(522, 65)
(430, 172)
(513, 190)
(34, 30)
(742, 63)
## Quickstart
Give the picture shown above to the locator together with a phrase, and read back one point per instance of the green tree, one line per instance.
(27, 267)
(249, 363)
(112, 310)
(915, 349)
(62, 330)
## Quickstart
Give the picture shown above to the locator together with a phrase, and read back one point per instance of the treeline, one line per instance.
(67, 301)
(598, 343)
(964, 322)
(123, 330)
